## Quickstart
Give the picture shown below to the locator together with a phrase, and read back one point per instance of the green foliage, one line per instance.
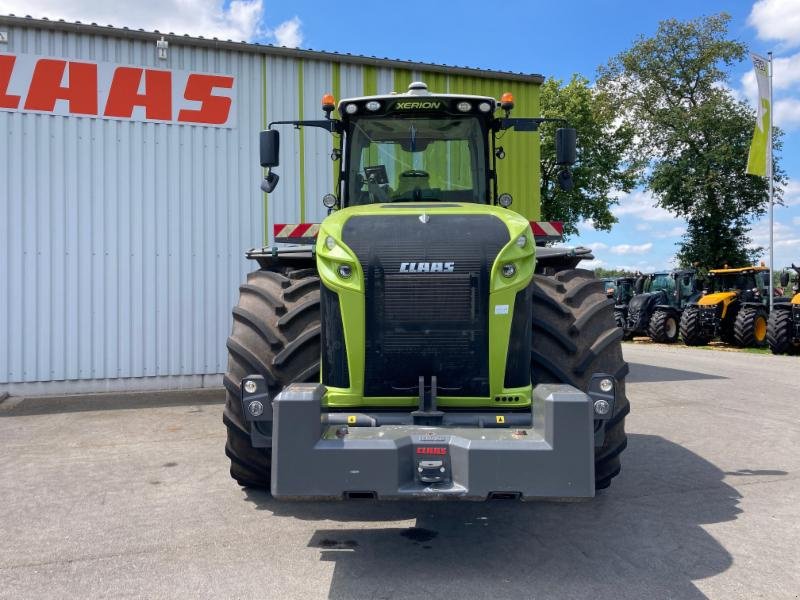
(674, 89)
(604, 143)
(601, 273)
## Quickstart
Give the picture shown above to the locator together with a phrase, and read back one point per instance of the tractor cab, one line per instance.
(783, 328)
(656, 310)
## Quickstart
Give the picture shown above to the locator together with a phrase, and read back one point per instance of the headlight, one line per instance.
(330, 243)
(509, 270)
(373, 105)
(464, 106)
(522, 241)
(345, 271)
(505, 200)
(351, 109)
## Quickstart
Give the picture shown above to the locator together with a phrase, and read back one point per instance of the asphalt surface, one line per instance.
(129, 496)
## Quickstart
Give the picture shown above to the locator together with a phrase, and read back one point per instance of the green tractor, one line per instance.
(624, 289)
(656, 310)
(783, 327)
(734, 309)
(424, 347)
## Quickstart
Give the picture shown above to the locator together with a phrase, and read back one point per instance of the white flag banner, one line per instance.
(757, 159)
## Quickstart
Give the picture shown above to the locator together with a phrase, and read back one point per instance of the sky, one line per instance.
(555, 39)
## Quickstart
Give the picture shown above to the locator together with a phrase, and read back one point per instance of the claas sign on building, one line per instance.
(109, 91)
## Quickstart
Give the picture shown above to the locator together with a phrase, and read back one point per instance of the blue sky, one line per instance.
(551, 38)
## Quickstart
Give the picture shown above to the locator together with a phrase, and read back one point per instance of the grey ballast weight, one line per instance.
(553, 459)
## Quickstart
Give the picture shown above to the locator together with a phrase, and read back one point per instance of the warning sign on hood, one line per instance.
(81, 88)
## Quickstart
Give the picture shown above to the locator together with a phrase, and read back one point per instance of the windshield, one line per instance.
(731, 282)
(406, 159)
(659, 282)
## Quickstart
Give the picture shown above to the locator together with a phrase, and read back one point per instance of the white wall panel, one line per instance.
(123, 241)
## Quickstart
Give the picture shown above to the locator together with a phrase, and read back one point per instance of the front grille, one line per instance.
(430, 322)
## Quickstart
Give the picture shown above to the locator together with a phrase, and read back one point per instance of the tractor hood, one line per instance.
(716, 298)
(640, 301)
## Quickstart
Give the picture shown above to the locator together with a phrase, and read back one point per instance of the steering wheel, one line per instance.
(414, 173)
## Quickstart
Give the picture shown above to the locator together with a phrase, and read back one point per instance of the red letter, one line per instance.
(6, 67)
(124, 94)
(213, 110)
(46, 88)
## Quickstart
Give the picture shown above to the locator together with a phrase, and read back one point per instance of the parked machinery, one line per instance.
(734, 308)
(625, 289)
(656, 311)
(783, 327)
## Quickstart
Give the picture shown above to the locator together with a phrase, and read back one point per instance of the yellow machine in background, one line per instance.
(783, 329)
(734, 308)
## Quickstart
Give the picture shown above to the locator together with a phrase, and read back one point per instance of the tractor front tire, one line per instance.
(690, 328)
(750, 327)
(779, 330)
(574, 337)
(276, 334)
(663, 327)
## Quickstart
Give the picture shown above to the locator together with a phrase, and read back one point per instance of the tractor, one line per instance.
(783, 327)
(734, 308)
(625, 289)
(656, 310)
(424, 347)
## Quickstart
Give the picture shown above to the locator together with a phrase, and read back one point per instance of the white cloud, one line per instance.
(776, 20)
(796, 221)
(632, 248)
(239, 20)
(640, 205)
(675, 232)
(643, 227)
(787, 239)
(791, 193)
(288, 33)
(787, 113)
(595, 246)
(591, 264)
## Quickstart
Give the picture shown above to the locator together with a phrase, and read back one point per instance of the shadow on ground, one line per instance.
(46, 405)
(642, 373)
(644, 537)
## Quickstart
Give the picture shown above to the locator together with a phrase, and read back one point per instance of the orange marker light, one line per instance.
(507, 101)
(328, 101)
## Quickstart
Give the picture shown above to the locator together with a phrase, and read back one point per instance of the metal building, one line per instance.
(129, 190)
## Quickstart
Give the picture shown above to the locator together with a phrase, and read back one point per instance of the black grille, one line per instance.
(334, 351)
(428, 321)
(518, 359)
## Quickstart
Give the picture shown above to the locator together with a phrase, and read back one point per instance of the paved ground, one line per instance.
(131, 498)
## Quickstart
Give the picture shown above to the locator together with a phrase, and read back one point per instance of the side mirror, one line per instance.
(566, 153)
(269, 142)
(784, 278)
(687, 280)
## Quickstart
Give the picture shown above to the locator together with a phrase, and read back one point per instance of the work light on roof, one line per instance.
(351, 109)
(373, 105)
(464, 106)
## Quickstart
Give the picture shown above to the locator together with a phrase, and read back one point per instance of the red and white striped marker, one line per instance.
(306, 233)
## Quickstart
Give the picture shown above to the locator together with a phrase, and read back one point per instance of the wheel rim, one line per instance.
(671, 328)
(760, 329)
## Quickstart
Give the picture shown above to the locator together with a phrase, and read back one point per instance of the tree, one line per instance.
(604, 144)
(674, 88)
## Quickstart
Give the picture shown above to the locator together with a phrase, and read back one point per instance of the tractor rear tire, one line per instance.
(691, 330)
(750, 327)
(276, 334)
(779, 330)
(663, 327)
(575, 336)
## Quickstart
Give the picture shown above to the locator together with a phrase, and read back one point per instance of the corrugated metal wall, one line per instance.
(123, 242)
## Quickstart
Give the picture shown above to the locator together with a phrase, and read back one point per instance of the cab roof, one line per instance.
(418, 90)
(738, 270)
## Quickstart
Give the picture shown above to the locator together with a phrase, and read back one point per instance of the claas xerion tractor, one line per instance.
(656, 310)
(734, 308)
(783, 327)
(424, 347)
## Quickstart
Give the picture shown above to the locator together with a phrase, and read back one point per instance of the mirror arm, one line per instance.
(529, 124)
(331, 125)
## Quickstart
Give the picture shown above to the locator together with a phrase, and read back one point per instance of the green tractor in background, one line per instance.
(783, 327)
(656, 310)
(625, 288)
(424, 347)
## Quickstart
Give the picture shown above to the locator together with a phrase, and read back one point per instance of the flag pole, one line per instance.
(771, 203)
